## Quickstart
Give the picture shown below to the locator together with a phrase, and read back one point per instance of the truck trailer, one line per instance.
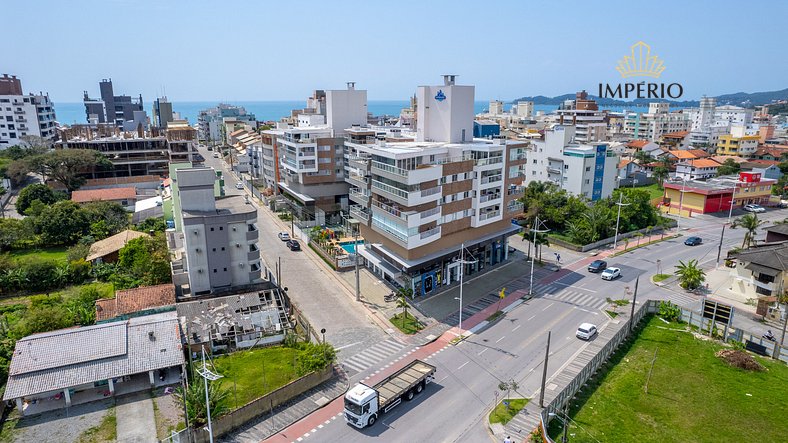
(364, 404)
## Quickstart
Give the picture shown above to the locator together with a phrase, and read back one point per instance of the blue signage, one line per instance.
(440, 96)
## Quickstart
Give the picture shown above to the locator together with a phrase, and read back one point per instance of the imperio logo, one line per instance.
(440, 96)
(640, 63)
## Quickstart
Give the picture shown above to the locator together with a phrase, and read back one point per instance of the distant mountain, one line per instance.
(737, 99)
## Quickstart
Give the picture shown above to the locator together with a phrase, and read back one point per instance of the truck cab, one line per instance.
(361, 403)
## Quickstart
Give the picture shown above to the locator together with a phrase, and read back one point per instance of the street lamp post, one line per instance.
(733, 200)
(206, 375)
(355, 251)
(681, 202)
(535, 230)
(618, 218)
(462, 273)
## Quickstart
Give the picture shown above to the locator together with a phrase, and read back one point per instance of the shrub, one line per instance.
(314, 357)
(669, 311)
(41, 274)
(78, 251)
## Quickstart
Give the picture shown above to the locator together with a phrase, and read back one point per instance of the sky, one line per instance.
(282, 50)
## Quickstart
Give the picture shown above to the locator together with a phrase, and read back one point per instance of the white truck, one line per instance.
(363, 404)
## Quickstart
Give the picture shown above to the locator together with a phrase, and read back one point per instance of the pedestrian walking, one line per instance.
(507, 439)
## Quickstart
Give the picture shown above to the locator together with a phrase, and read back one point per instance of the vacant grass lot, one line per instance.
(654, 190)
(56, 253)
(501, 414)
(692, 395)
(253, 373)
(408, 324)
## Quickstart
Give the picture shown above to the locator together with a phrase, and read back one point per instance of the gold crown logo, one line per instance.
(641, 63)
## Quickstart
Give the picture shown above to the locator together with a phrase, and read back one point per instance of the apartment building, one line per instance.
(496, 107)
(181, 141)
(211, 122)
(218, 237)
(524, 109)
(584, 114)
(111, 108)
(162, 112)
(697, 169)
(582, 169)
(23, 115)
(419, 197)
(741, 141)
(733, 115)
(652, 125)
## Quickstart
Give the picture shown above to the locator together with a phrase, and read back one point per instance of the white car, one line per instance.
(284, 236)
(611, 273)
(239, 185)
(754, 208)
(586, 331)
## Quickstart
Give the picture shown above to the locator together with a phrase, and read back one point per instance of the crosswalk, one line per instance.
(576, 297)
(471, 309)
(372, 356)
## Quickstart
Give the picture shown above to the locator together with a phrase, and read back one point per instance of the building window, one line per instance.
(221, 228)
(222, 248)
(214, 270)
(588, 168)
(211, 229)
(225, 269)
(214, 249)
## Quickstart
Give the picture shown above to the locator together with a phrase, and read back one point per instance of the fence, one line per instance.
(609, 240)
(263, 405)
(181, 436)
(563, 397)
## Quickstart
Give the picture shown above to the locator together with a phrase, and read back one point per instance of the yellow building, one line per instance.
(743, 146)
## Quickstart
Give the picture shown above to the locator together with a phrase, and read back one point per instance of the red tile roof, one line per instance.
(699, 153)
(704, 163)
(134, 300)
(106, 194)
(682, 155)
(679, 134)
(637, 143)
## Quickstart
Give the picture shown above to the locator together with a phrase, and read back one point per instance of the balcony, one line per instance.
(489, 198)
(430, 233)
(515, 207)
(430, 212)
(431, 191)
(515, 156)
(518, 190)
(553, 170)
(491, 179)
(357, 180)
(362, 198)
(488, 215)
(19, 112)
(489, 161)
(391, 233)
(384, 167)
(359, 213)
(368, 140)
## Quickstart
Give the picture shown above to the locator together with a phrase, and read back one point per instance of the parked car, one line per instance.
(239, 185)
(611, 273)
(215, 155)
(586, 331)
(754, 208)
(597, 266)
(284, 236)
(693, 241)
(293, 245)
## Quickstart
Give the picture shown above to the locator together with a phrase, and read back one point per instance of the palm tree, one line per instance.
(403, 303)
(749, 222)
(194, 397)
(643, 157)
(639, 235)
(691, 276)
(541, 240)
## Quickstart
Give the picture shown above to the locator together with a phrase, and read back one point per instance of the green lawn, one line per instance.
(255, 372)
(659, 277)
(501, 414)
(408, 325)
(653, 190)
(692, 396)
(105, 289)
(56, 253)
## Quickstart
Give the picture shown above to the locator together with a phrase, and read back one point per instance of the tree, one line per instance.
(403, 303)
(194, 398)
(157, 225)
(13, 231)
(642, 157)
(143, 261)
(691, 276)
(63, 223)
(38, 191)
(66, 166)
(749, 222)
(728, 167)
(508, 387)
(106, 218)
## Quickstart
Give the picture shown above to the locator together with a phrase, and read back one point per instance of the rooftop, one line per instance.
(106, 194)
(233, 204)
(134, 300)
(61, 359)
(112, 244)
(773, 257)
(679, 134)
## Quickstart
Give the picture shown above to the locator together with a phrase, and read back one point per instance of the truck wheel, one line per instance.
(371, 420)
(419, 387)
(409, 395)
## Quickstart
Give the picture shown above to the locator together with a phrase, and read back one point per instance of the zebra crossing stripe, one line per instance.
(376, 353)
(389, 346)
(353, 366)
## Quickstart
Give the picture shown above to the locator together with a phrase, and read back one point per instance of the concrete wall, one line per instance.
(237, 418)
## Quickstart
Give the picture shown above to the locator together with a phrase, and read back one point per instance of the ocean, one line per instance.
(70, 113)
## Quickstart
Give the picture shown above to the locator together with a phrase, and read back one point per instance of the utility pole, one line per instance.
(681, 203)
(634, 300)
(355, 251)
(618, 218)
(536, 230)
(778, 348)
(719, 248)
(544, 370)
(564, 439)
(206, 375)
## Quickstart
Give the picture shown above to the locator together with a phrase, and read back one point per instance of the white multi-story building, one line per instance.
(23, 115)
(211, 122)
(733, 115)
(587, 170)
(420, 197)
(585, 116)
(524, 109)
(496, 107)
(219, 236)
(653, 124)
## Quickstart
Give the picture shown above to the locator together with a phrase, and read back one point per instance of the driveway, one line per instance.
(135, 420)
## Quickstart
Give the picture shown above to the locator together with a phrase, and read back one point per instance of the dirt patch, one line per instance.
(739, 359)
(169, 413)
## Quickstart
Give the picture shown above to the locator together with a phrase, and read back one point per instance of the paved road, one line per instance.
(455, 407)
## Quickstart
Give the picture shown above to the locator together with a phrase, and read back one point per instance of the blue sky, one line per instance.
(282, 50)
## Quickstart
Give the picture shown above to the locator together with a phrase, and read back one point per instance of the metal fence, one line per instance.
(650, 307)
(181, 436)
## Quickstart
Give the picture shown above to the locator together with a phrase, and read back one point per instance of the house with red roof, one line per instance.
(125, 197)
